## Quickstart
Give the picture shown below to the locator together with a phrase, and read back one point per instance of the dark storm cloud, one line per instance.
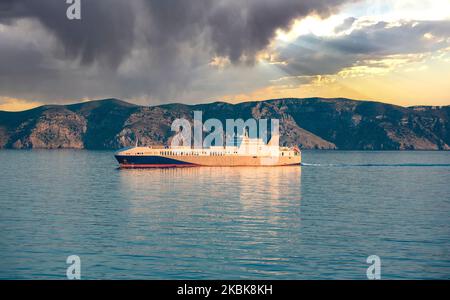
(314, 55)
(105, 33)
(238, 30)
(107, 29)
(149, 48)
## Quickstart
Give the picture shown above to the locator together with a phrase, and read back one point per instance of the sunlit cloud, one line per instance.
(220, 62)
(361, 58)
(311, 25)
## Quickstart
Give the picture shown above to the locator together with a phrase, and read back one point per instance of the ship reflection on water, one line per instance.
(217, 221)
(250, 187)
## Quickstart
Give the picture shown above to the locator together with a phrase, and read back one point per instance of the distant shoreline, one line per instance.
(309, 123)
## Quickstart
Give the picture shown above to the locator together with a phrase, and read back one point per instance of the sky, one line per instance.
(152, 52)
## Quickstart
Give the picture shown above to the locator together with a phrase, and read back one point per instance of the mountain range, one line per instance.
(311, 123)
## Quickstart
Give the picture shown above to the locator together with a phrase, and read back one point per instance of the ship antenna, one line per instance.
(137, 140)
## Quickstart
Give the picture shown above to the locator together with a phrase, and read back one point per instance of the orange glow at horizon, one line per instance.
(399, 82)
(14, 104)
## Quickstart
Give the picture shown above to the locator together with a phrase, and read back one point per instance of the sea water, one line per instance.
(320, 220)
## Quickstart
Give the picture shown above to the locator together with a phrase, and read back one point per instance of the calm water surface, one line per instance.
(318, 221)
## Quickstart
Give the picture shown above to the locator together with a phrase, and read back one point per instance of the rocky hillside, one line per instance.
(312, 123)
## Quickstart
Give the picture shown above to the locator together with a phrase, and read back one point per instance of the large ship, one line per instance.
(246, 152)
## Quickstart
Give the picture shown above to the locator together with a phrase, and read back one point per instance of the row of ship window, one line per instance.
(197, 153)
(193, 153)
